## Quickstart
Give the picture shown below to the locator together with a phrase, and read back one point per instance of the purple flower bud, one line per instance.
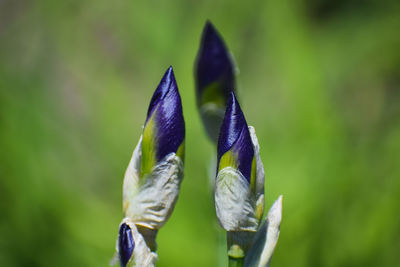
(214, 62)
(164, 129)
(215, 79)
(235, 147)
(126, 244)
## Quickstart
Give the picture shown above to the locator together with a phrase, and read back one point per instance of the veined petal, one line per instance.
(164, 129)
(150, 202)
(214, 77)
(234, 206)
(235, 147)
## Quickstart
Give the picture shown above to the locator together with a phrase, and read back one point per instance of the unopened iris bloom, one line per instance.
(152, 180)
(240, 173)
(239, 186)
(239, 193)
(214, 79)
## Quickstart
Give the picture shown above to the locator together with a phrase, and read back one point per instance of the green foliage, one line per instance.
(320, 82)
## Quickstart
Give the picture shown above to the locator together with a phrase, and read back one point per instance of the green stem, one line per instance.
(236, 262)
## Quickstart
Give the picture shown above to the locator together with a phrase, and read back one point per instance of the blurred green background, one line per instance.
(319, 79)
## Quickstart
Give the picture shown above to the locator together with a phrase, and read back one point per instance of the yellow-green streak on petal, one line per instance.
(259, 211)
(149, 159)
(212, 94)
(229, 159)
(253, 175)
(181, 151)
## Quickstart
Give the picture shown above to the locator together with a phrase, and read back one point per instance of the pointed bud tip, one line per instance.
(209, 29)
(232, 101)
(164, 129)
(235, 136)
(234, 113)
(211, 39)
(231, 125)
(170, 71)
(167, 81)
(214, 69)
(166, 84)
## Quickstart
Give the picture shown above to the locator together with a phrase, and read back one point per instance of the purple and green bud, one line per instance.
(126, 244)
(164, 129)
(214, 78)
(235, 147)
(239, 185)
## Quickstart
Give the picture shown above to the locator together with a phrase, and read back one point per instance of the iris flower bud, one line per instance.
(164, 129)
(155, 172)
(263, 246)
(214, 79)
(239, 186)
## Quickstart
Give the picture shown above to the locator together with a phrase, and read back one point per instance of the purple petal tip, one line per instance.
(213, 61)
(235, 136)
(167, 83)
(169, 121)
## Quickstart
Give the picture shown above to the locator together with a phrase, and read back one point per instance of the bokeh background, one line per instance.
(319, 79)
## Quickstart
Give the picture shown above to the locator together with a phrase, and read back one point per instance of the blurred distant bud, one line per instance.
(239, 186)
(214, 78)
(263, 246)
(155, 172)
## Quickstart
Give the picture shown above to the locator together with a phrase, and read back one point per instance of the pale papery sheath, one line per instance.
(233, 202)
(238, 209)
(260, 173)
(265, 241)
(149, 201)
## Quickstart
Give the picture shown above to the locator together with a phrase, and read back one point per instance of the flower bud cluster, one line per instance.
(152, 181)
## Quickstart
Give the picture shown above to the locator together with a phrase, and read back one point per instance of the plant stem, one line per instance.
(236, 262)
